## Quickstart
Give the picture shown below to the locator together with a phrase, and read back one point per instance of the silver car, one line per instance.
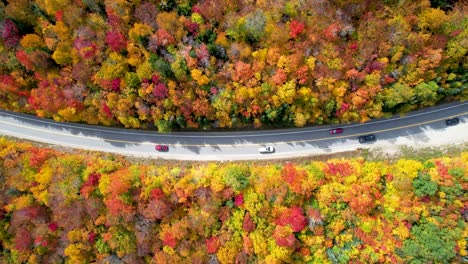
(266, 149)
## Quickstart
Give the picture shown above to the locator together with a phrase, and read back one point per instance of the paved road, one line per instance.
(239, 145)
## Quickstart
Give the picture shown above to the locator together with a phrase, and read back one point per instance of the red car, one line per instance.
(336, 131)
(162, 148)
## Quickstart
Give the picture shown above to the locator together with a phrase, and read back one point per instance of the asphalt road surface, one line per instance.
(415, 128)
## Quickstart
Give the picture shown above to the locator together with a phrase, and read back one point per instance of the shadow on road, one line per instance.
(195, 142)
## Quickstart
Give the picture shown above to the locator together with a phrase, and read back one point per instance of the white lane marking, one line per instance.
(228, 145)
(156, 134)
(312, 151)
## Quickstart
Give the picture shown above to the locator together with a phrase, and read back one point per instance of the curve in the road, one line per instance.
(224, 145)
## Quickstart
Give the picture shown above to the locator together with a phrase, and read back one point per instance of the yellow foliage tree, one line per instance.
(199, 77)
(114, 67)
(32, 41)
(278, 254)
(432, 19)
(78, 249)
(287, 92)
(227, 253)
(339, 89)
(136, 56)
(139, 30)
(260, 242)
(75, 253)
(407, 169)
(52, 6)
(300, 119)
(172, 23)
(70, 114)
(254, 202)
(63, 53)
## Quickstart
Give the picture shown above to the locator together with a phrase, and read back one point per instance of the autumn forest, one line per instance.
(195, 65)
(60, 207)
(187, 64)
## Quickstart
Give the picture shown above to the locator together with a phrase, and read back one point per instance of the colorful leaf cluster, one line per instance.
(226, 63)
(82, 208)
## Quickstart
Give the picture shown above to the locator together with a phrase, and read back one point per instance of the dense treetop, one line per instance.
(227, 63)
(82, 208)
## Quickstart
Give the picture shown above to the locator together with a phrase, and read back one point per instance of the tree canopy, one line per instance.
(228, 64)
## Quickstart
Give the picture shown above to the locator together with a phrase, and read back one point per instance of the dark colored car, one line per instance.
(366, 138)
(336, 131)
(452, 122)
(163, 148)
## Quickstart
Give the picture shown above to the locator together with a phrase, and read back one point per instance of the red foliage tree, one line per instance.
(373, 66)
(157, 194)
(302, 74)
(68, 216)
(116, 41)
(212, 10)
(84, 47)
(243, 72)
(295, 28)
(59, 15)
(155, 209)
(284, 237)
(248, 225)
(24, 59)
(191, 27)
(115, 21)
(9, 33)
(34, 214)
(49, 96)
(441, 168)
(160, 91)
(362, 198)
(203, 55)
(106, 110)
(91, 237)
(160, 39)
(293, 177)
(169, 240)
(82, 71)
(294, 217)
(339, 168)
(52, 226)
(38, 156)
(212, 245)
(331, 32)
(280, 77)
(239, 199)
(90, 185)
(343, 108)
(23, 239)
(353, 46)
(116, 206)
(115, 85)
(146, 12)
(8, 84)
(119, 197)
(201, 107)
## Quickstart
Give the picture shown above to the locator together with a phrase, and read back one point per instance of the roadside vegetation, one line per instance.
(187, 64)
(82, 207)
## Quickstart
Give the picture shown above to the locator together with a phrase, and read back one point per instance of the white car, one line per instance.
(266, 149)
